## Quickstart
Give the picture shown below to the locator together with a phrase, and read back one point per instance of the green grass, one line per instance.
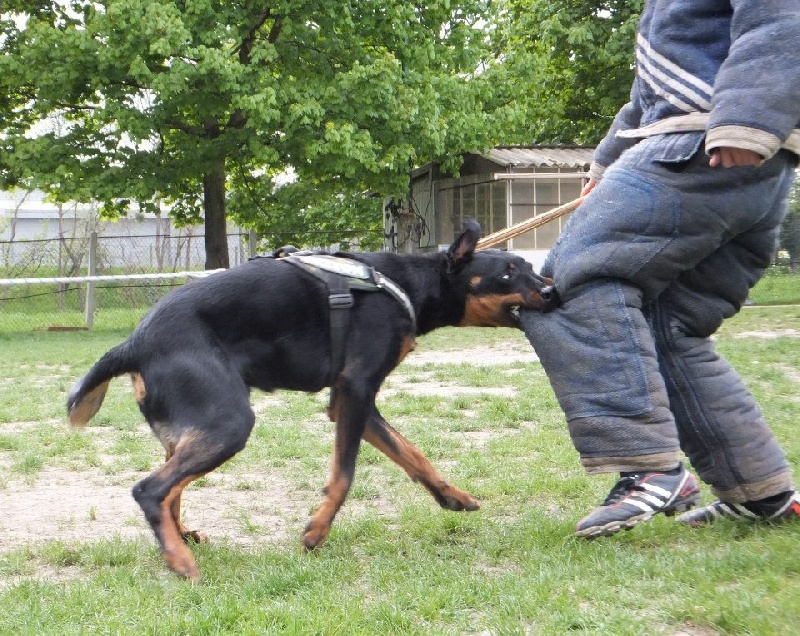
(779, 286)
(395, 563)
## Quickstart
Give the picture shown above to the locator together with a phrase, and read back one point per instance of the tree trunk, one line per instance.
(214, 206)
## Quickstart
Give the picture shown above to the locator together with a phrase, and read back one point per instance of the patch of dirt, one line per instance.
(420, 385)
(494, 355)
(770, 335)
(88, 505)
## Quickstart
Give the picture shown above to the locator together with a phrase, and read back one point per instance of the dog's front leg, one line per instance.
(410, 458)
(350, 410)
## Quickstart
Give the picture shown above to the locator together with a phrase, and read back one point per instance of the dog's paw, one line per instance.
(181, 562)
(314, 536)
(194, 536)
(459, 501)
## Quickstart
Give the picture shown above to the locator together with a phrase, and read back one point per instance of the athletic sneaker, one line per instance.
(782, 507)
(637, 497)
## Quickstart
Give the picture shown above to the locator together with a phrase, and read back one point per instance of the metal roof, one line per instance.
(578, 157)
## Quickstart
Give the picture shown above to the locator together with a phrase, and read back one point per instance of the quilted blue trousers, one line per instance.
(661, 252)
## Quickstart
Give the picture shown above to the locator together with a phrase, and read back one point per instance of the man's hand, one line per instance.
(730, 157)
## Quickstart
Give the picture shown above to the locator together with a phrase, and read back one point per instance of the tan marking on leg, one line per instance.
(139, 391)
(187, 535)
(177, 556)
(409, 344)
(319, 526)
(410, 458)
(333, 404)
(336, 489)
(175, 508)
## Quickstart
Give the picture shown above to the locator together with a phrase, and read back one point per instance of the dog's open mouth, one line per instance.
(547, 300)
(507, 310)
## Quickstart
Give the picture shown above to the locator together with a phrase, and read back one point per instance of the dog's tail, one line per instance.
(87, 395)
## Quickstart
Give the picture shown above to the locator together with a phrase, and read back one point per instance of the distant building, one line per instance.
(29, 224)
(27, 215)
(498, 188)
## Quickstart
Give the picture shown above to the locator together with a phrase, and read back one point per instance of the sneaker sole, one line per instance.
(709, 519)
(612, 528)
(607, 530)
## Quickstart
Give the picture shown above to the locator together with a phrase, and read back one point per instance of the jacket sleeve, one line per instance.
(611, 147)
(756, 101)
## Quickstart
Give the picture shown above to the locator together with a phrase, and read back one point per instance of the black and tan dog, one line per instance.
(287, 323)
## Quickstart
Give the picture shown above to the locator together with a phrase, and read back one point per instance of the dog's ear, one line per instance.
(462, 249)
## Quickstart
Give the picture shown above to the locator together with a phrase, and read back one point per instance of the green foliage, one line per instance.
(151, 100)
(299, 213)
(567, 69)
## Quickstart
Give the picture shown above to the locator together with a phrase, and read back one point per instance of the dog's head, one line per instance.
(495, 284)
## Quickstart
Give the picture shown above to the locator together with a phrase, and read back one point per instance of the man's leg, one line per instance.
(644, 226)
(601, 360)
(720, 425)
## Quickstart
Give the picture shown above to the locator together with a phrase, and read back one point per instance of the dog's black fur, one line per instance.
(265, 324)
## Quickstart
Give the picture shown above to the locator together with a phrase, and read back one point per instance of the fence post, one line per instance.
(90, 285)
(252, 243)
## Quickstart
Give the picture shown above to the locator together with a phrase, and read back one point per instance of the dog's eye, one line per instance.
(506, 276)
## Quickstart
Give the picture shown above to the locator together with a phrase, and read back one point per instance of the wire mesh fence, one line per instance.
(43, 284)
(39, 288)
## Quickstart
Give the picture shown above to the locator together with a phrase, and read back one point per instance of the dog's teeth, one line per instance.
(515, 310)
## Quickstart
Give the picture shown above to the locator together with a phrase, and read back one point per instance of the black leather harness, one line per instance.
(341, 275)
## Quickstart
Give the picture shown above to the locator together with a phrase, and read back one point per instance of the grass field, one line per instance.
(76, 558)
(779, 286)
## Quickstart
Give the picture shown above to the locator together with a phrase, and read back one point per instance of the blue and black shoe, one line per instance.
(636, 497)
(783, 507)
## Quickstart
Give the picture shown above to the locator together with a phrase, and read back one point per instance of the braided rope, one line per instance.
(490, 240)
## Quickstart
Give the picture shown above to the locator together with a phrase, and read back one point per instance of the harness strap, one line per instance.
(388, 285)
(341, 275)
(340, 300)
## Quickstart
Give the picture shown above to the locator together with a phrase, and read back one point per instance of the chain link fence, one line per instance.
(36, 293)
(38, 290)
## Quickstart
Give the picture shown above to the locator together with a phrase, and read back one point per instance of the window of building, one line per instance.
(500, 203)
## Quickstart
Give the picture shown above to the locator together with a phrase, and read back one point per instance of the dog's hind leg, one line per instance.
(196, 453)
(410, 458)
(175, 508)
(156, 495)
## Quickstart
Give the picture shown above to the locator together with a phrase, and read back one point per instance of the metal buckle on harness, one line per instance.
(340, 301)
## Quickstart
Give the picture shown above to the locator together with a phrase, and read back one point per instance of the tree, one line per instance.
(179, 100)
(567, 68)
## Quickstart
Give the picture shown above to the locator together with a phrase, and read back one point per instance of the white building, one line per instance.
(30, 224)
